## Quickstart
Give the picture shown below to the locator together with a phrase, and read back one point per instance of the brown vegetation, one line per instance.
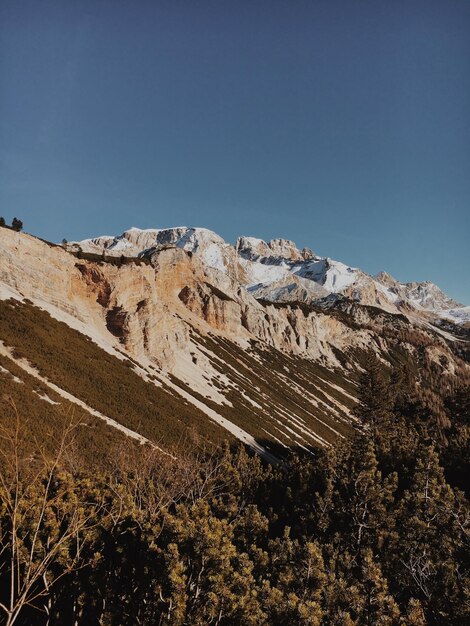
(110, 385)
(371, 532)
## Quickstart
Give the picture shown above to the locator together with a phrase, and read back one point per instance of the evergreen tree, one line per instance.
(456, 453)
(375, 394)
(379, 607)
(414, 614)
(17, 224)
(330, 539)
(362, 499)
(432, 521)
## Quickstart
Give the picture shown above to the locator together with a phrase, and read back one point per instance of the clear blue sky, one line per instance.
(343, 125)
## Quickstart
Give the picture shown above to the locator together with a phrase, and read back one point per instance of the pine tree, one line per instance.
(433, 521)
(375, 394)
(379, 607)
(17, 224)
(362, 499)
(177, 598)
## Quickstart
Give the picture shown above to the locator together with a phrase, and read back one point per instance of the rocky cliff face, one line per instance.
(190, 312)
(277, 249)
(279, 272)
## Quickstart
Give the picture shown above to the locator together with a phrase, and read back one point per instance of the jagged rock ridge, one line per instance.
(279, 272)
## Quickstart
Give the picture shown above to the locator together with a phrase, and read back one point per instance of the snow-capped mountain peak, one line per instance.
(278, 271)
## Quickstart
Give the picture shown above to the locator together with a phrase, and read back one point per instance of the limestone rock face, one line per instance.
(149, 309)
(386, 279)
(278, 271)
(252, 248)
(282, 249)
(285, 249)
(193, 279)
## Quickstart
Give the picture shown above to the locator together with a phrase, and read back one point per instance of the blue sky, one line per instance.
(342, 125)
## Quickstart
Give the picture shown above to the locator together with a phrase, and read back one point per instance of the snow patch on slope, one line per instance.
(5, 351)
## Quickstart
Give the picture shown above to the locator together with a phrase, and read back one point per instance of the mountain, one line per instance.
(279, 272)
(173, 335)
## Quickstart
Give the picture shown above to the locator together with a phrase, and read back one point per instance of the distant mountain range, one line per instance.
(279, 272)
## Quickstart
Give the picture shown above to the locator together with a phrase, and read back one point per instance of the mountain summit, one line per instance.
(278, 271)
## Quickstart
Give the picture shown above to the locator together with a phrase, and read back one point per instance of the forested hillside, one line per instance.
(373, 531)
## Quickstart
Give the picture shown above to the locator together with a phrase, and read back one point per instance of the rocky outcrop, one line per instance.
(150, 309)
(97, 282)
(255, 249)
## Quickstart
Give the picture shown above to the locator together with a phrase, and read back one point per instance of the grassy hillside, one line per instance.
(77, 365)
(282, 400)
(46, 416)
(277, 398)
